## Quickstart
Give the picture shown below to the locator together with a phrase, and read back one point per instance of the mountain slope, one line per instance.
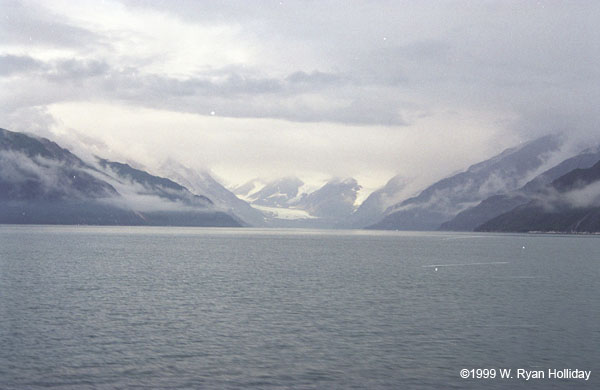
(496, 205)
(40, 182)
(335, 200)
(371, 209)
(36, 168)
(249, 187)
(289, 202)
(443, 200)
(201, 182)
(278, 193)
(148, 184)
(571, 203)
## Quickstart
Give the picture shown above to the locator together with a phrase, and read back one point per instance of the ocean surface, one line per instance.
(194, 308)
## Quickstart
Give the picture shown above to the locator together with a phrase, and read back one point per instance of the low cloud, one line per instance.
(136, 196)
(41, 178)
(588, 196)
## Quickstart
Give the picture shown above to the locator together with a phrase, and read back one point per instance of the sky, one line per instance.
(316, 89)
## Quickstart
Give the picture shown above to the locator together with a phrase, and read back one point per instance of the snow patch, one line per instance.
(283, 213)
(362, 195)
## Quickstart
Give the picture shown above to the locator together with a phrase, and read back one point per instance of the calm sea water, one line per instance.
(186, 308)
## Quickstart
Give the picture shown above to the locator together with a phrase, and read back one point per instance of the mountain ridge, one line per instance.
(41, 182)
(520, 189)
(469, 219)
(447, 197)
(570, 204)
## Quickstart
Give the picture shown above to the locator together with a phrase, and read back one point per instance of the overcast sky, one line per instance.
(367, 89)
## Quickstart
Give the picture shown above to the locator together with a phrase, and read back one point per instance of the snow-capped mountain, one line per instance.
(335, 200)
(277, 193)
(242, 191)
(289, 202)
(372, 208)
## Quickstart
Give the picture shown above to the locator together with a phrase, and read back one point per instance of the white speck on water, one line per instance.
(212, 113)
(435, 269)
(464, 264)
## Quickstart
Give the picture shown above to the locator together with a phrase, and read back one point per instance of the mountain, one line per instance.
(335, 200)
(585, 159)
(496, 205)
(577, 179)
(570, 204)
(40, 182)
(202, 182)
(469, 219)
(443, 200)
(249, 187)
(278, 193)
(371, 209)
(289, 202)
(147, 184)
(36, 168)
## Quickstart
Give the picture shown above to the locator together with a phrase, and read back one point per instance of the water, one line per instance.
(187, 308)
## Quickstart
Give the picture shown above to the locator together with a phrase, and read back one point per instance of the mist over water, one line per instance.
(108, 307)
